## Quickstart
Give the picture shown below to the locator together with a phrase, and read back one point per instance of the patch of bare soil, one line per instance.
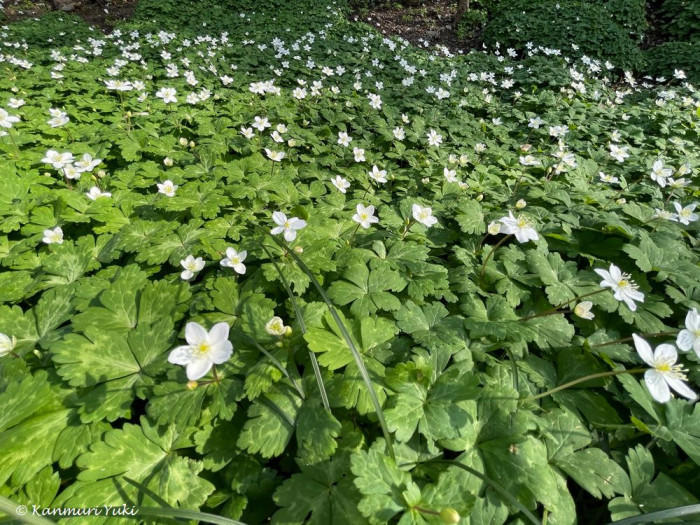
(99, 13)
(431, 23)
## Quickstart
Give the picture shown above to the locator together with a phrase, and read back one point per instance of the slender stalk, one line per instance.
(505, 495)
(583, 379)
(625, 339)
(488, 257)
(279, 367)
(405, 230)
(302, 326)
(348, 340)
(555, 310)
(426, 511)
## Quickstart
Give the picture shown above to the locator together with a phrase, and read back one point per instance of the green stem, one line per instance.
(280, 367)
(625, 339)
(405, 230)
(559, 388)
(555, 310)
(302, 326)
(488, 257)
(425, 511)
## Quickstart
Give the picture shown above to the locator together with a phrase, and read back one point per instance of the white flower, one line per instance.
(71, 172)
(664, 214)
(690, 336)
(583, 310)
(96, 193)
(608, 178)
(450, 175)
(341, 183)
(58, 118)
(288, 226)
(167, 188)
(423, 215)
(234, 260)
(168, 162)
(624, 289)
(167, 94)
(54, 236)
(520, 204)
(659, 174)
(87, 163)
(191, 266)
(260, 123)
(685, 215)
(275, 156)
(480, 147)
(377, 175)
(520, 227)
(344, 139)
(619, 153)
(6, 120)
(434, 138)
(247, 132)
(204, 349)
(375, 101)
(359, 154)
(275, 326)
(56, 159)
(664, 371)
(16, 103)
(494, 228)
(529, 160)
(365, 216)
(399, 133)
(7, 344)
(535, 123)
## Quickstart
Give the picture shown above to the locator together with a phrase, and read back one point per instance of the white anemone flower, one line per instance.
(685, 215)
(234, 259)
(287, 226)
(275, 326)
(340, 183)
(623, 287)
(365, 216)
(664, 375)
(690, 336)
(521, 227)
(7, 344)
(96, 193)
(191, 266)
(54, 236)
(377, 175)
(423, 215)
(7, 120)
(167, 188)
(275, 156)
(203, 349)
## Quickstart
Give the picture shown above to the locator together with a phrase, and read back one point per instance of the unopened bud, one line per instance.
(298, 249)
(449, 515)
(520, 204)
(183, 141)
(480, 197)
(191, 385)
(167, 161)
(192, 144)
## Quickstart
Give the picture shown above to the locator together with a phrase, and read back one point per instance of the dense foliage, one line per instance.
(376, 265)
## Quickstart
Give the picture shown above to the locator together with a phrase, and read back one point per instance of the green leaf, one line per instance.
(271, 422)
(593, 470)
(317, 431)
(367, 291)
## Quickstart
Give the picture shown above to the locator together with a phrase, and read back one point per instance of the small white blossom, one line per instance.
(167, 188)
(365, 216)
(234, 259)
(623, 287)
(664, 375)
(203, 350)
(521, 227)
(191, 267)
(287, 226)
(423, 215)
(341, 183)
(54, 236)
(583, 310)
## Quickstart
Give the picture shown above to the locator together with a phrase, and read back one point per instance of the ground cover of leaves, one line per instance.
(454, 210)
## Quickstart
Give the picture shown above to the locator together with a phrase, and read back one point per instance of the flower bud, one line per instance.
(520, 204)
(480, 197)
(192, 144)
(621, 201)
(101, 174)
(291, 143)
(183, 141)
(167, 161)
(191, 385)
(298, 249)
(449, 515)
(494, 228)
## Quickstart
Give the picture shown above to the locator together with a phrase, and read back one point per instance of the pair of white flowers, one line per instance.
(234, 259)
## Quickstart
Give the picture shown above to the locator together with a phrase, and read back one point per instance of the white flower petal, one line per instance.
(643, 349)
(657, 386)
(195, 333)
(680, 387)
(180, 355)
(198, 368)
(218, 333)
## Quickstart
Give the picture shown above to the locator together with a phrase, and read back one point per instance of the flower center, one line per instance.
(522, 222)
(624, 283)
(202, 349)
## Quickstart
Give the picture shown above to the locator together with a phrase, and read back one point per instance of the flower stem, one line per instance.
(488, 257)
(555, 310)
(583, 379)
(426, 511)
(405, 230)
(625, 339)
